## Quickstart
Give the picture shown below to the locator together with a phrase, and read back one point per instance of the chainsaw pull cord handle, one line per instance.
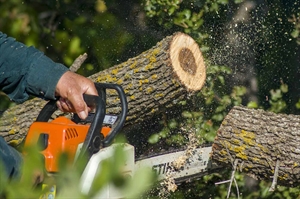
(123, 114)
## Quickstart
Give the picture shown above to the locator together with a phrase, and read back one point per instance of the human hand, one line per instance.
(71, 88)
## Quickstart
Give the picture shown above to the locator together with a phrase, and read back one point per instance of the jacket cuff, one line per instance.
(43, 76)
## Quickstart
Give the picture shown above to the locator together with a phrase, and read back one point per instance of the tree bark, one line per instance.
(259, 140)
(158, 78)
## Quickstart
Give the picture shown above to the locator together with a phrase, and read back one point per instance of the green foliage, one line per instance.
(68, 179)
(295, 20)
(277, 103)
(191, 17)
(19, 187)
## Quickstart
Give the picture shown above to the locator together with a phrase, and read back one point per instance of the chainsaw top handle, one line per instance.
(97, 121)
(118, 125)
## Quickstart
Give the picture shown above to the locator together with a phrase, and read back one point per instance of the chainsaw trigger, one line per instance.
(89, 118)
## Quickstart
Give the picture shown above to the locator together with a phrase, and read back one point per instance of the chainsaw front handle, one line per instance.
(94, 138)
(47, 111)
(121, 117)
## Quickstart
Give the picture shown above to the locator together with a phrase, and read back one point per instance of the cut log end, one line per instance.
(187, 62)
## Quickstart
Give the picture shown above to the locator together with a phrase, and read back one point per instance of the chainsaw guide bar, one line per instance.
(193, 167)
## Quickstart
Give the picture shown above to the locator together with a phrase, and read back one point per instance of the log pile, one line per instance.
(264, 145)
(157, 78)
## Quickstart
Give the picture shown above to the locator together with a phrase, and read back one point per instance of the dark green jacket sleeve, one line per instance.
(27, 71)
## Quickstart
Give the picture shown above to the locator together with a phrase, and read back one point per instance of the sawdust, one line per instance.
(168, 185)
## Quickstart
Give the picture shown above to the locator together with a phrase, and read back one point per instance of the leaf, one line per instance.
(100, 6)
(223, 1)
(171, 10)
(276, 94)
(226, 100)
(298, 104)
(141, 182)
(220, 109)
(187, 114)
(252, 105)
(238, 1)
(75, 45)
(163, 133)
(240, 90)
(284, 88)
(187, 13)
(218, 117)
(221, 79)
(172, 124)
(183, 102)
(89, 67)
(154, 138)
(295, 33)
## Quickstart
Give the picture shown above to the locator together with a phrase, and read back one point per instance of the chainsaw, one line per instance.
(93, 138)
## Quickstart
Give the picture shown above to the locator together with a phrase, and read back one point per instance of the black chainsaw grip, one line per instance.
(51, 107)
(47, 111)
(122, 116)
(93, 139)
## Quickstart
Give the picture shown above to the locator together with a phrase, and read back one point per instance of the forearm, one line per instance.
(26, 71)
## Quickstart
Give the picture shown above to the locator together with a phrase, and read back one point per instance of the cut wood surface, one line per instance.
(258, 140)
(157, 78)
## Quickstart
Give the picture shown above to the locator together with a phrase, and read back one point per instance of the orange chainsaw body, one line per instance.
(56, 137)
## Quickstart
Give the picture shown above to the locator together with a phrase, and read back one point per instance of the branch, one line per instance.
(78, 62)
(232, 179)
(275, 177)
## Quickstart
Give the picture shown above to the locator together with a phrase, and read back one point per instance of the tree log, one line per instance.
(259, 140)
(155, 79)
